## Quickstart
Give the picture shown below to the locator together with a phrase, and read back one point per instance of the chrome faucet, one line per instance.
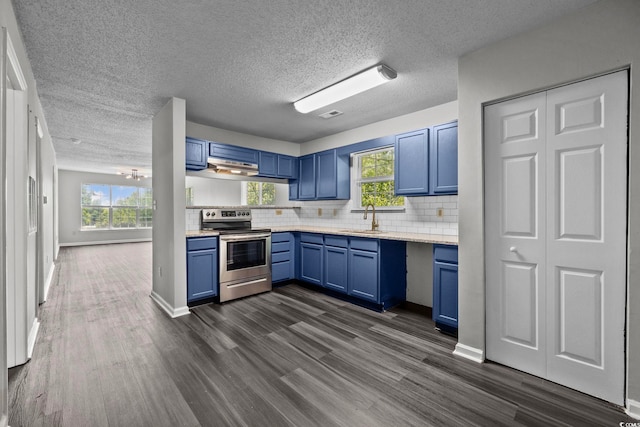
(374, 223)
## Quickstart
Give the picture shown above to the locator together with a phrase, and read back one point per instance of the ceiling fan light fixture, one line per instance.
(135, 175)
(367, 79)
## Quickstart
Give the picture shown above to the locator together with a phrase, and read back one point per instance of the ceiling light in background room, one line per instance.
(76, 141)
(135, 175)
(361, 82)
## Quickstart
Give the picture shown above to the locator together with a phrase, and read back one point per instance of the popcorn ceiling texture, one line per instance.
(105, 68)
(420, 216)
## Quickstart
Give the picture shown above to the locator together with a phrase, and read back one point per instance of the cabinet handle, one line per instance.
(513, 249)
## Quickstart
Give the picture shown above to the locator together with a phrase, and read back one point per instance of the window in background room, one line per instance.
(374, 180)
(258, 193)
(106, 207)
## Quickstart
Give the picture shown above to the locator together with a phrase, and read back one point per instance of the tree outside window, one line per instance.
(107, 207)
(374, 178)
(260, 193)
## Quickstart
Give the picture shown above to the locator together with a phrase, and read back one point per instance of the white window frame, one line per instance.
(111, 206)
(356, 181)
(245, 193)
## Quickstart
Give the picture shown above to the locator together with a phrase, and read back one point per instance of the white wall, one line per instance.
(169, 241)
(70, 217)
(596, 39)
(47, 232)
(214, 192)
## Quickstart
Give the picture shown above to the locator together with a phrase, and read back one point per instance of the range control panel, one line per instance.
(223, 215)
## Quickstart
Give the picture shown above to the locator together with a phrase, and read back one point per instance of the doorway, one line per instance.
(556, 227)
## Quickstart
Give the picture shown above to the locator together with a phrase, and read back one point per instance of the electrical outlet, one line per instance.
(278, 211)
(335, 212)
(319, 211)
(440, 212)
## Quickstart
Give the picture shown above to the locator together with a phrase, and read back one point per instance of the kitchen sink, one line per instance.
(362, 231)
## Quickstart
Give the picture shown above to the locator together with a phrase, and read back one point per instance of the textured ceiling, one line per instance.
(105, 67)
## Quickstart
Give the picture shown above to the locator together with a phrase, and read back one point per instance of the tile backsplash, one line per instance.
(419, 216)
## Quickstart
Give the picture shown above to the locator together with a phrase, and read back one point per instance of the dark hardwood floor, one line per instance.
(106, 355)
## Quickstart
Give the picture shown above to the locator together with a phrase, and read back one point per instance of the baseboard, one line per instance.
(47, 282)
(633, 409)
(172, 312)
(33, 334)
(104, 242)
(468, 352)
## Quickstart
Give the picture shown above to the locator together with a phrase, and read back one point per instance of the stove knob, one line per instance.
(213, 214)
(208, 213)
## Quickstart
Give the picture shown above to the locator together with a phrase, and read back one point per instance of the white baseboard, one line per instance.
(633, 409)
(470, 353)
(33, 334)
(47, 281)
(172, 312)
(104, 242)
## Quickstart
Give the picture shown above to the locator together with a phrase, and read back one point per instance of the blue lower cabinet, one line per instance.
(311, 262)
(372, 272)
(202, 268)
(363, 275)
(336, 262)
(445, 287)
(282, 257)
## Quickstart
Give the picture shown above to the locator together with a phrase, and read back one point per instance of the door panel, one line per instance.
(555, 224)
(515, 156)
(586, 235)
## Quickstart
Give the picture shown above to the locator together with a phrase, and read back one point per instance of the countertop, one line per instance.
(406, 237)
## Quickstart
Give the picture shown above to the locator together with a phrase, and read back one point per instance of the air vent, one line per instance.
(329, 114)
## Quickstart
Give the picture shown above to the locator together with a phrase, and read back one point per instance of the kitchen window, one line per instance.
(115, 207)
(374, 182)
(258, 193)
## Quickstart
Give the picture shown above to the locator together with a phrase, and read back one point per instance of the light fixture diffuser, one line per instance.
(361, 82)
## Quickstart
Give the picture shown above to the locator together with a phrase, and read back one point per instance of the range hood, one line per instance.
(231, 167)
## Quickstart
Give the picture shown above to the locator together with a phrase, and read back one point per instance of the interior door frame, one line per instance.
(627, 70)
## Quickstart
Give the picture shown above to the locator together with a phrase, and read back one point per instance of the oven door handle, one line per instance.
(244, 237)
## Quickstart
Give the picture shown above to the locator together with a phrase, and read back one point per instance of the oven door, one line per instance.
(244, 256)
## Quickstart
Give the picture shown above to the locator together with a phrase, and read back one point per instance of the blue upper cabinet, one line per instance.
(444, 159)
(276, 165)
(231, 152)
(307, 178)
(322, 176)
(196, 153)
(412, 163)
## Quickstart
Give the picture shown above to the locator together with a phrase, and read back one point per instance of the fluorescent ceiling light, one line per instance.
(361, 82)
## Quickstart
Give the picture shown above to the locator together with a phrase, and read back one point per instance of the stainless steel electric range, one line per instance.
(245, 253)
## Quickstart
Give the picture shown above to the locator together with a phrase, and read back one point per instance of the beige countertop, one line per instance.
(406, 237)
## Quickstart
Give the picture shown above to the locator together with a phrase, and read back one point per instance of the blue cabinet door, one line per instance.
(326, 175)
(282, 256)
(267, 164)
(232, 152)
(202, 274)
(412, 163)
(335, 268)
(445, 294)
(444, 159)
(287, 166)
(311, 263)
(363, 274)
(196, 154)
(307, 178)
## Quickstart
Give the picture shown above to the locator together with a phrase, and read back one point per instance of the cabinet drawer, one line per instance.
(445, 253)
(311, 238)
(280, 247)
(280, 256)
(200, 243)
(337, 241)
(280, 237)
(281, 271)
(364, 244)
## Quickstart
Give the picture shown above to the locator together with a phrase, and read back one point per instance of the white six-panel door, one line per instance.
(556, 215)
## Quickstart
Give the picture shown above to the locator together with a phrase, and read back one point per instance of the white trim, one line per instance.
(33, 334)
(47, 282)
(104, 242)
(172, 312)
(470, 353)
(14, 66)
(633, 409)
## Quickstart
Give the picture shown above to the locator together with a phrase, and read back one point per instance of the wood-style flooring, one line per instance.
(106, 355)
